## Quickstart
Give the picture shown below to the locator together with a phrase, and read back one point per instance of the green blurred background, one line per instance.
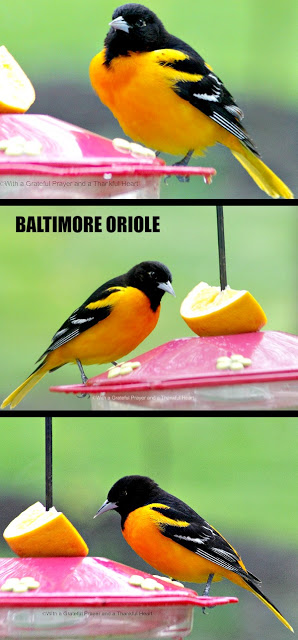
(49, 275)
(238, 473)
(250, 44)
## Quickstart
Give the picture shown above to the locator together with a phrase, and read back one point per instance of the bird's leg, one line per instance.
(82, 372)
(182, 163)
(207, 589)
(84, 379)
(114, 363)
(208, 585)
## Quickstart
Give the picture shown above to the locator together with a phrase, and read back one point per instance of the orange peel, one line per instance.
(40, 533)
(208, 311)
(16, 91)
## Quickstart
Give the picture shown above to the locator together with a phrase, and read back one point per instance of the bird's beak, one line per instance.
(106, 506)
(119, 24)
(166, 286)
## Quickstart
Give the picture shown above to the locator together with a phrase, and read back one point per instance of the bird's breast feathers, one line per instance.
(177, 547)
(138, 87)
(143, 532)
(116, 325)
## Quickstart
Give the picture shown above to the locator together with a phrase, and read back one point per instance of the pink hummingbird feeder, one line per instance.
(42, 157)
(185, 374)
(93, 597)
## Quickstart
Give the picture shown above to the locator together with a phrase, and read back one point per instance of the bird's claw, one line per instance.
(206, 612)
(180, 178)
(183, 178)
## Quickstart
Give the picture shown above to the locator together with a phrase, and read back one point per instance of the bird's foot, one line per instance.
(82, 372)
(183, 178)
(84, 380)
(180, 178)
(182, 163)
(206, 591)
(205, 611)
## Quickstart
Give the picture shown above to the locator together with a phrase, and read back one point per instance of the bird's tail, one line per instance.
(261, 174)
(250, 585)
(18, 394)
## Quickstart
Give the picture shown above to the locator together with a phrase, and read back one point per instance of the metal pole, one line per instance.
(49, 462)
(221, 247)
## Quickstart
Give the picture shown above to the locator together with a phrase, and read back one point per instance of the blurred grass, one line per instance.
(47, 276)
(251, 45)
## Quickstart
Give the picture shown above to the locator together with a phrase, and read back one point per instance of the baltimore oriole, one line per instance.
(167, 97)
(175, 540)
(107, 326)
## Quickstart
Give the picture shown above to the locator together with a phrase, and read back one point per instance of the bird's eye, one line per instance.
(140, 23)
(151, 274)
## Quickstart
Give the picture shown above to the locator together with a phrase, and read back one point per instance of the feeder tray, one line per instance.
(75, 163)
(182, 375)
(93, 597)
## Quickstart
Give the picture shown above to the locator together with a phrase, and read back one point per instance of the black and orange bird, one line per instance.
(175, 540)
(107, 326)
(165, 96)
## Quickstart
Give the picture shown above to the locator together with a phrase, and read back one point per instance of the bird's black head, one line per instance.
(153, 278)
(134, 28)
(130, 493)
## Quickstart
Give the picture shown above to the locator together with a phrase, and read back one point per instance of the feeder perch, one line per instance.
(93, 597)
(182, 375)
(45, 158)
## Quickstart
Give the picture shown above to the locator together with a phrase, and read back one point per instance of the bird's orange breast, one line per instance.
(142, 532)
(129, 323)
(138, 90)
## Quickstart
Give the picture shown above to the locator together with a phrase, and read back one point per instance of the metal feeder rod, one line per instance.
(49, 462)
(221, 247)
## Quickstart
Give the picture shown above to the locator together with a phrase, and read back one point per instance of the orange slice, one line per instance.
(16, 91)
(208, 311)
(40, 533)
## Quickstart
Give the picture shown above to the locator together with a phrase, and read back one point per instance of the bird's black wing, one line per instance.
(202, 539)
(207, 94)
(95, 309)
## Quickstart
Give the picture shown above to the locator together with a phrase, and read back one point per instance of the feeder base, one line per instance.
(74, 622)
(265, 395)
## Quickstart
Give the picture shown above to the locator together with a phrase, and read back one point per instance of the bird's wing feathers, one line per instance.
(202, 539)
(206, 92)
(94, 309)
(179, 60)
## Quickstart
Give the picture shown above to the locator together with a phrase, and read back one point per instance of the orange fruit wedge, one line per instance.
(208, 311)
(16, 91)
(40, 533)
